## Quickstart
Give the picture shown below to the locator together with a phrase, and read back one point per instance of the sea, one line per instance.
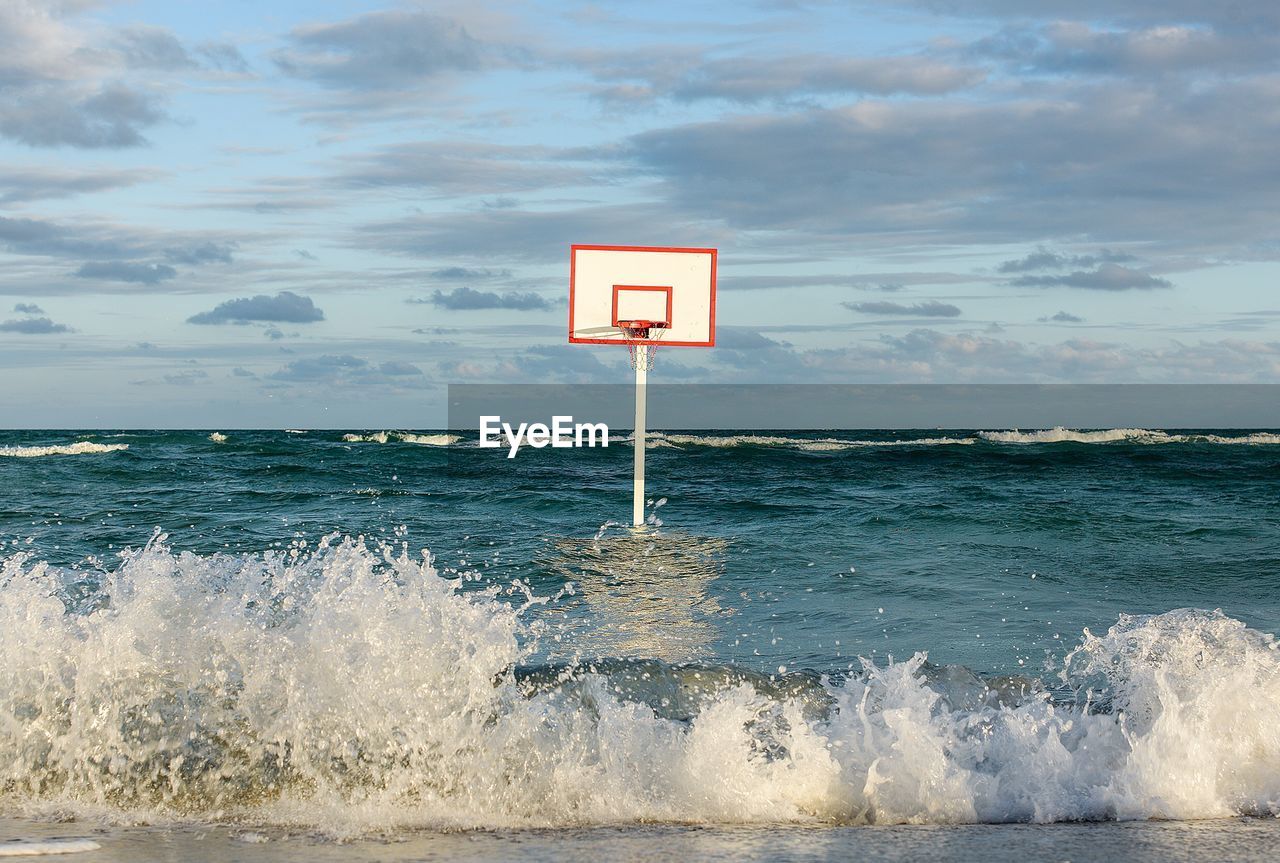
(392, 644)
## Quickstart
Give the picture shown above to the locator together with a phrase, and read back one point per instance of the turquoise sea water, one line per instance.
(355, 631)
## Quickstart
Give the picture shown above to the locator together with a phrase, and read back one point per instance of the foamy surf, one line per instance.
(1058, 434)
(46, 847)
(800, 443)
(403, 437)
(78, 448)
(350, 688)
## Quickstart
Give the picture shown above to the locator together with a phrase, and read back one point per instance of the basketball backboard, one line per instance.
(609, 285)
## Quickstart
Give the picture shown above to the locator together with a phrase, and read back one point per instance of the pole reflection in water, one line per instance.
(646, 591)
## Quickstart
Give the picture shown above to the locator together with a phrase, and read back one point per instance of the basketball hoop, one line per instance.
(643, 297)
(642, 341)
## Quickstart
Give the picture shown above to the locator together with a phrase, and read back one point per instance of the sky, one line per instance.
(323, 213)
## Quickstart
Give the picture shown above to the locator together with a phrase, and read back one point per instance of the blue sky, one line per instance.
(322, 213)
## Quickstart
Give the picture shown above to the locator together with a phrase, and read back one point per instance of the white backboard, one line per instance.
(608, 284)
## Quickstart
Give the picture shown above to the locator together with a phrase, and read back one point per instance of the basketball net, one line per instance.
(643, 353)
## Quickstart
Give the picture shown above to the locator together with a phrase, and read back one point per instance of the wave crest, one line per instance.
(352, 688)
(78, 448)
(404, 437)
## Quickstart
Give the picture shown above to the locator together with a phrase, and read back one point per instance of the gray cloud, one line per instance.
(144, 47)
(460, 299)
(28, 309)
(346, 369)
(686, 76)
(1062, 318)
(463, 168)
(748, 79)
(390, 50)
(1229, 15)
(126, 271)
(187, 377)
(67, 83)
(930, 309)
(968, 172)
(395, 368)
(534, 235)
(222, 56)
(284, 307)
(201, 253)
(1043, 259)
(33, 184)
(47, 115)
(1107, 277)
(107, 242)
(33, 326)
(1074, 47)
(470, 274)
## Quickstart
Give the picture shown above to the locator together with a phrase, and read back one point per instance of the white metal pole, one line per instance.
(637, 500)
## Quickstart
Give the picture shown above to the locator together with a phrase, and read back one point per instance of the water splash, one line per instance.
(350, 687)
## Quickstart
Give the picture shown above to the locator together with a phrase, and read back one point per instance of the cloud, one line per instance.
(1237, 14)
(390, 50)
(68, 82)
(47, 115)
(186, 378)
(242, 373)
(34, 184)
(33, 326)
(349, 370)
(684, 75)
(1107, 277)
(465, 299)
(930, 309)
(28, 309)
(1185, 169)
(284, 307)
(464, 168)
(396, 368)
(1043, 259)
(201, 253)
(143, 47)
(125, 271)
(58, 90)
(470, 274)
(1062, 318)
(535, 235)
(109, 252)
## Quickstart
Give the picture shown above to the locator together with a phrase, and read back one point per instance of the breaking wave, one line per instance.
(404, 437)
(1059, 434)
(811, 444)
(79, 448)
(352, 688)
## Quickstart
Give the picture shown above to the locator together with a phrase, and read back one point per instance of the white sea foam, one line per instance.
(352, 689)
(1058, 434)
(46, 847)
(810, 444)
(218, 437)
(80, 448)
(1257, 438)
(404, 437)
